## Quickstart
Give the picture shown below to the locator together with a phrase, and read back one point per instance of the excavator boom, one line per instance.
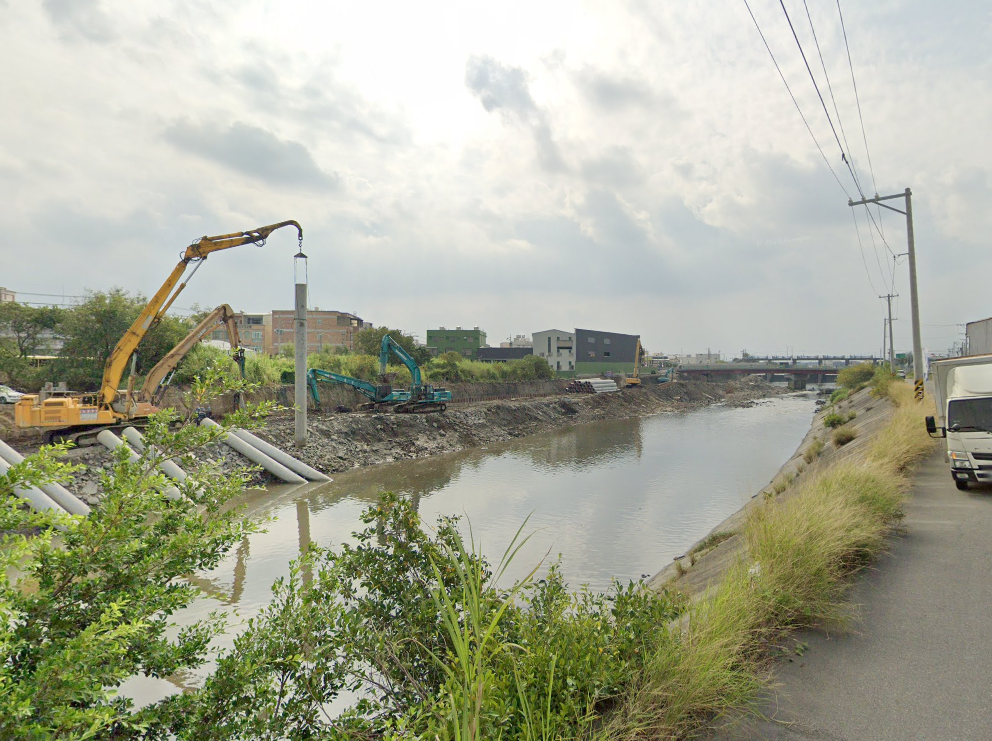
(156, 378)
(163, 298)
(389, 345)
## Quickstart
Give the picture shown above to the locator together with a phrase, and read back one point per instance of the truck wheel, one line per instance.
(962, 485)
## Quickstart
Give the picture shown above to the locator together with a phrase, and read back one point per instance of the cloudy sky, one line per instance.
(632, 166)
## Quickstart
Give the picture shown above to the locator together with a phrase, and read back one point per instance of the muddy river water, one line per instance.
(617, 498)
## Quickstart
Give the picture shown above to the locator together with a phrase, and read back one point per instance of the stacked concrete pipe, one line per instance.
(54, 492)
(255, 455)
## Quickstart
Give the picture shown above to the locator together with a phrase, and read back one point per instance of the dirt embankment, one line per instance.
(341, 441)
(338, 442)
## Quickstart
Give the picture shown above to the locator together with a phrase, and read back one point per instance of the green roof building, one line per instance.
(465, 342)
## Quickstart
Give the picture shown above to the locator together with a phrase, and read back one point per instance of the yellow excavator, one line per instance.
(634, 379)
(66, 415)
(158, 377)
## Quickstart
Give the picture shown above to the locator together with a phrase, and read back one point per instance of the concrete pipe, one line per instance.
(54, 491)
(298, 466)
(255, 455)
(169, 468)
(36, 498)
(111, 442)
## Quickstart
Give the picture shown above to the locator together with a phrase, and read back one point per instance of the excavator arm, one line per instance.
(389, 345)
(156, 379)
(166, 295)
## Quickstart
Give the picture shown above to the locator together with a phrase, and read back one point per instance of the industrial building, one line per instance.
(502, 354)
(463, 341)
(584, 352)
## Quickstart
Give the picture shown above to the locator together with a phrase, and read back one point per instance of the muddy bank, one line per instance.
(338, 442)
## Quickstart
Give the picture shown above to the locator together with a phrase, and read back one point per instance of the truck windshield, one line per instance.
(970, 414)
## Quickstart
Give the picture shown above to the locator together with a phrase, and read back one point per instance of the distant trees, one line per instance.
(88, 334)
(25, 331)
(91, 330)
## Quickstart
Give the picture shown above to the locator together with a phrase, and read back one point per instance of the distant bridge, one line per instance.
(779, 369)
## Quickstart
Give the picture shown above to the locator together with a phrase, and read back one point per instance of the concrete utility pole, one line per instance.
(892, 355)
(913, 295)
(300, 338)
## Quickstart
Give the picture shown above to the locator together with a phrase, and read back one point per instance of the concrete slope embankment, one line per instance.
(339, 442)
(705, 563)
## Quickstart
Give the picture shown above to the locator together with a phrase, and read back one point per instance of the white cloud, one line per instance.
(632, 166)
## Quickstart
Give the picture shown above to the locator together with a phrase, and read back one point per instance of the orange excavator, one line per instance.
(66, 415)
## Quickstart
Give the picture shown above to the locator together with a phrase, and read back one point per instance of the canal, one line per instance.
(616, 499)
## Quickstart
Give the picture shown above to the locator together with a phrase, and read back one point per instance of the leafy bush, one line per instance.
(834, 420)
(855, 375)
(84, 611)
(843, 435)
(881, 381)
(417, 626)
(839, 395)
(453, 367)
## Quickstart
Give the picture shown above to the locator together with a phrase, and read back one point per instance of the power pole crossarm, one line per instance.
(913, 294)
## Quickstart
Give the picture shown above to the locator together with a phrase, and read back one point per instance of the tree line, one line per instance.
(82, 337)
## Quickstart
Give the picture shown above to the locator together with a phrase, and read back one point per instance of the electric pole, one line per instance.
(913, 295)
(892, 356)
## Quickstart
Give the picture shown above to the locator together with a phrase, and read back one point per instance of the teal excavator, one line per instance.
(421, 398)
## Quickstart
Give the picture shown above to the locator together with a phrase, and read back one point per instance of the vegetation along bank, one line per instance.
(433, 646)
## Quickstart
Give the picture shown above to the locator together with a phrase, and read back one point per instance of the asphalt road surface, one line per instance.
(919, 662)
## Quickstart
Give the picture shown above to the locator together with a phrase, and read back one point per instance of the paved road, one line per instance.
(920, 664)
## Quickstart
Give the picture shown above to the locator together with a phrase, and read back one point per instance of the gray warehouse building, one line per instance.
(587, 352)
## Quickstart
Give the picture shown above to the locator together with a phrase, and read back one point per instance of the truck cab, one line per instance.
(963, 392)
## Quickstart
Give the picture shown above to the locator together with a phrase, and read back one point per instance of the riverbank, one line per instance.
(789, 565)
(338, 442)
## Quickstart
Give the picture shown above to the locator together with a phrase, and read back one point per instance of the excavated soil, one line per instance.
(338, 442)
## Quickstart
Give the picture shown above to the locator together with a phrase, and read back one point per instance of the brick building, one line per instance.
(325, 329)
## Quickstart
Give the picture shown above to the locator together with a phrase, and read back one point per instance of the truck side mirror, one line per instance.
(932, 427)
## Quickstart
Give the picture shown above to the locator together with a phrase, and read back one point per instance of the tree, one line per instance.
(92, 330)
(84, 611)
(25, 331)
(369, 342)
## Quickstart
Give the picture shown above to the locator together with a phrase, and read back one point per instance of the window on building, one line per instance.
(570, 365)
(549, 344)
(606, 354)
(256, 335)
(591, 339)
(592, 353)
(606, 340)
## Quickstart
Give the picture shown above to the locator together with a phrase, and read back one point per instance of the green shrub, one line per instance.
(854, 375)
(843, 435)
(834, 420)
(839, 395)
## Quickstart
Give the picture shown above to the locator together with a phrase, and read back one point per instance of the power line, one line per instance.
(840, 146)
(780, 74)
(830, 87)
(817, 88)
(863, 259)
(858, 101)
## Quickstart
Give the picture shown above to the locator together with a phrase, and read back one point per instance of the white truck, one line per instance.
(963, 392)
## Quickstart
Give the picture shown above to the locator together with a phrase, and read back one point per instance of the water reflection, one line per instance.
(614, 498)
